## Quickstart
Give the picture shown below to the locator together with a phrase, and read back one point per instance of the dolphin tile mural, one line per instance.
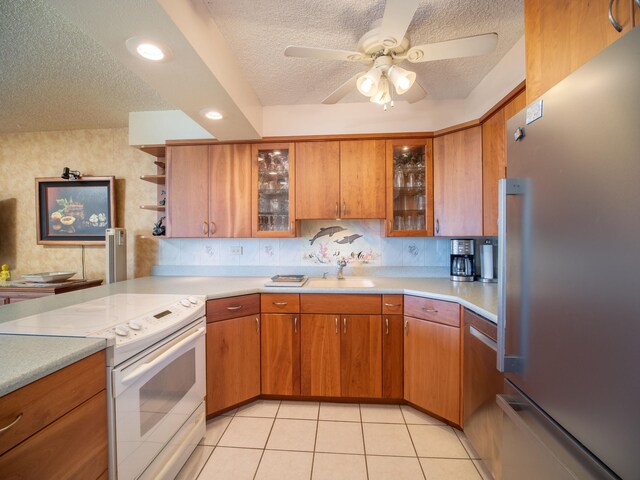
(328, 242)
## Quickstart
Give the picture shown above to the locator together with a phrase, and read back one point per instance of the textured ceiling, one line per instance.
(260, 31)
(54, 77)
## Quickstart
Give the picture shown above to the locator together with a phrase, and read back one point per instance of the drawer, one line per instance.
(42, 402)
(232, 307)
(343, 303)
(392, 304)
(447, 313)
(280, 303)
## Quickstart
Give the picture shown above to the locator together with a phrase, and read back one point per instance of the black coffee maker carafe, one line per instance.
(462, 260)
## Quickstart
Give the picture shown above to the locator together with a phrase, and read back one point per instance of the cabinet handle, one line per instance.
(257, 325)
(291, 226)
(392, 304)
(386, 321)
(612, 19)
(337, 210)
(295, 324)
(234, 307)
(4, 429)
(406, 327)
(429, 310)
(437, 226)
(344, 207)
(344, 325)
(205, 228)
(280, 304)
(214, 228)
(336, 325)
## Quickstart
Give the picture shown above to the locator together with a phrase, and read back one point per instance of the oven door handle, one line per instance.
(145, 367)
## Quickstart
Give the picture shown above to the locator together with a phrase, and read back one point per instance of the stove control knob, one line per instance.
(193, 300)
(122, 331)
(185, 303)
(133, 325)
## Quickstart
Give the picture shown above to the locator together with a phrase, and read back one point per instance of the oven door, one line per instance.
(154, 395)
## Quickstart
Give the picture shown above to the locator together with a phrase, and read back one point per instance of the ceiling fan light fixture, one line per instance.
(369, 83)
(382, 96)
(402, 79)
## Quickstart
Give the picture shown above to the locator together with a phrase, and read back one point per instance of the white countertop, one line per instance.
(25, 359)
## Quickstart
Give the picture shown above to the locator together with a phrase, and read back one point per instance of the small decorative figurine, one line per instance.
(159, 228)
(5, 273)
(163, 201)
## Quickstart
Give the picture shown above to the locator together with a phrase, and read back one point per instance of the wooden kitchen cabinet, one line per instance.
(494, 159)
(392, 357)
(562, 36)
(233, 362)
(340, 179)
(361, 356)
(273, 204)
(320, 355)
(280, 354)
(432, 356)
(209, 191)
(457, 172)
(62, 427)
(409, 188)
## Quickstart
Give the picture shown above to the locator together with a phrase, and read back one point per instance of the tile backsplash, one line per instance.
(321, 244)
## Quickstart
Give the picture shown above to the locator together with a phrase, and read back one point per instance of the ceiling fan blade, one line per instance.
(462, 47)
(343, 90)
(324, 53)
(415, 94)
(395, 22)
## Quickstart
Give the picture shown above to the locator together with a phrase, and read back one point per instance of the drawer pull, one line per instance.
(344, 325)
(429, 310)
(336, 325)
(234, 307)
(392, 304)
(4, 429)
(280, 304)
(386, 322)
(295, 324)
(257, 325)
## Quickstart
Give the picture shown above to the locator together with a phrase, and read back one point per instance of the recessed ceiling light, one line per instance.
(213, 115)
(148, 49)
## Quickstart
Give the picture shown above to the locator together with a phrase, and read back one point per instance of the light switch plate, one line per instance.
(235, 251)
(534, 111)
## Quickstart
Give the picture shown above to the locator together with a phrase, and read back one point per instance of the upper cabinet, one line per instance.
(274, 202)
(494, 160)
(340, 179)
(209, 191)
(457, 183)
(409, 187)
(562, 36)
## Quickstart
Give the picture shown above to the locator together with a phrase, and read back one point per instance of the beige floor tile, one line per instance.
(396, 468)
(194, 464)
(328, 466)
(381, 413)
(436, 441)
(484, 472)
(259, 408)
(278, 465)
(466, 444)
(416, 417)
(302, 410)
(387, 439)
(215, 429)
(287, 434)
(247, 432)
(231, 464)
(449, 469)
(339, 437)
(343, 412)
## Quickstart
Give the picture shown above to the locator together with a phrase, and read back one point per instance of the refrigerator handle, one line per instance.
(505, 361)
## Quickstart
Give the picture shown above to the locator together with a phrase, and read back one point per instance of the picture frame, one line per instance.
(74, 212)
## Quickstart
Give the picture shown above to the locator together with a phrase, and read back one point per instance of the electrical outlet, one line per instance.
(235, 251)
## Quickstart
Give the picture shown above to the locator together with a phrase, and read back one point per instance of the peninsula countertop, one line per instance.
(25, 358)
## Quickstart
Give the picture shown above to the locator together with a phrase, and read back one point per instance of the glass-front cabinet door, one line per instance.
(409, 188)
(273, 180)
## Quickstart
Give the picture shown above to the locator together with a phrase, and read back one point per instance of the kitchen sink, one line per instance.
(344, 283)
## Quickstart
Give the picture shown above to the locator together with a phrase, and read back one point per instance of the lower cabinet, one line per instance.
(233, 362)
(432, 359)
(392, 357)
(320, 355)
(280, 354)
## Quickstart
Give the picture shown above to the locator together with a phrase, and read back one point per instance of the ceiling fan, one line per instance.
(384, 47)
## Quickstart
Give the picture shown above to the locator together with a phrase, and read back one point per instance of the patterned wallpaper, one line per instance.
(25, 156)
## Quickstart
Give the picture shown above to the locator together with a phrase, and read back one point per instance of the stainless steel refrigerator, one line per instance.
(569, 311)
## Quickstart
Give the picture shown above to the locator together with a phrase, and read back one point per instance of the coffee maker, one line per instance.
(462, 264)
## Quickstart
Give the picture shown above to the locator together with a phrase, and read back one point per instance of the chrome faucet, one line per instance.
(341, 264)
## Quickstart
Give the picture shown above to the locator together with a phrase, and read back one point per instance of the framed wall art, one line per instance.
(74, 212)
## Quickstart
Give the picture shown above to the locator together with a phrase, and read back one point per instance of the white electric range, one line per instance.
(155, 374)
